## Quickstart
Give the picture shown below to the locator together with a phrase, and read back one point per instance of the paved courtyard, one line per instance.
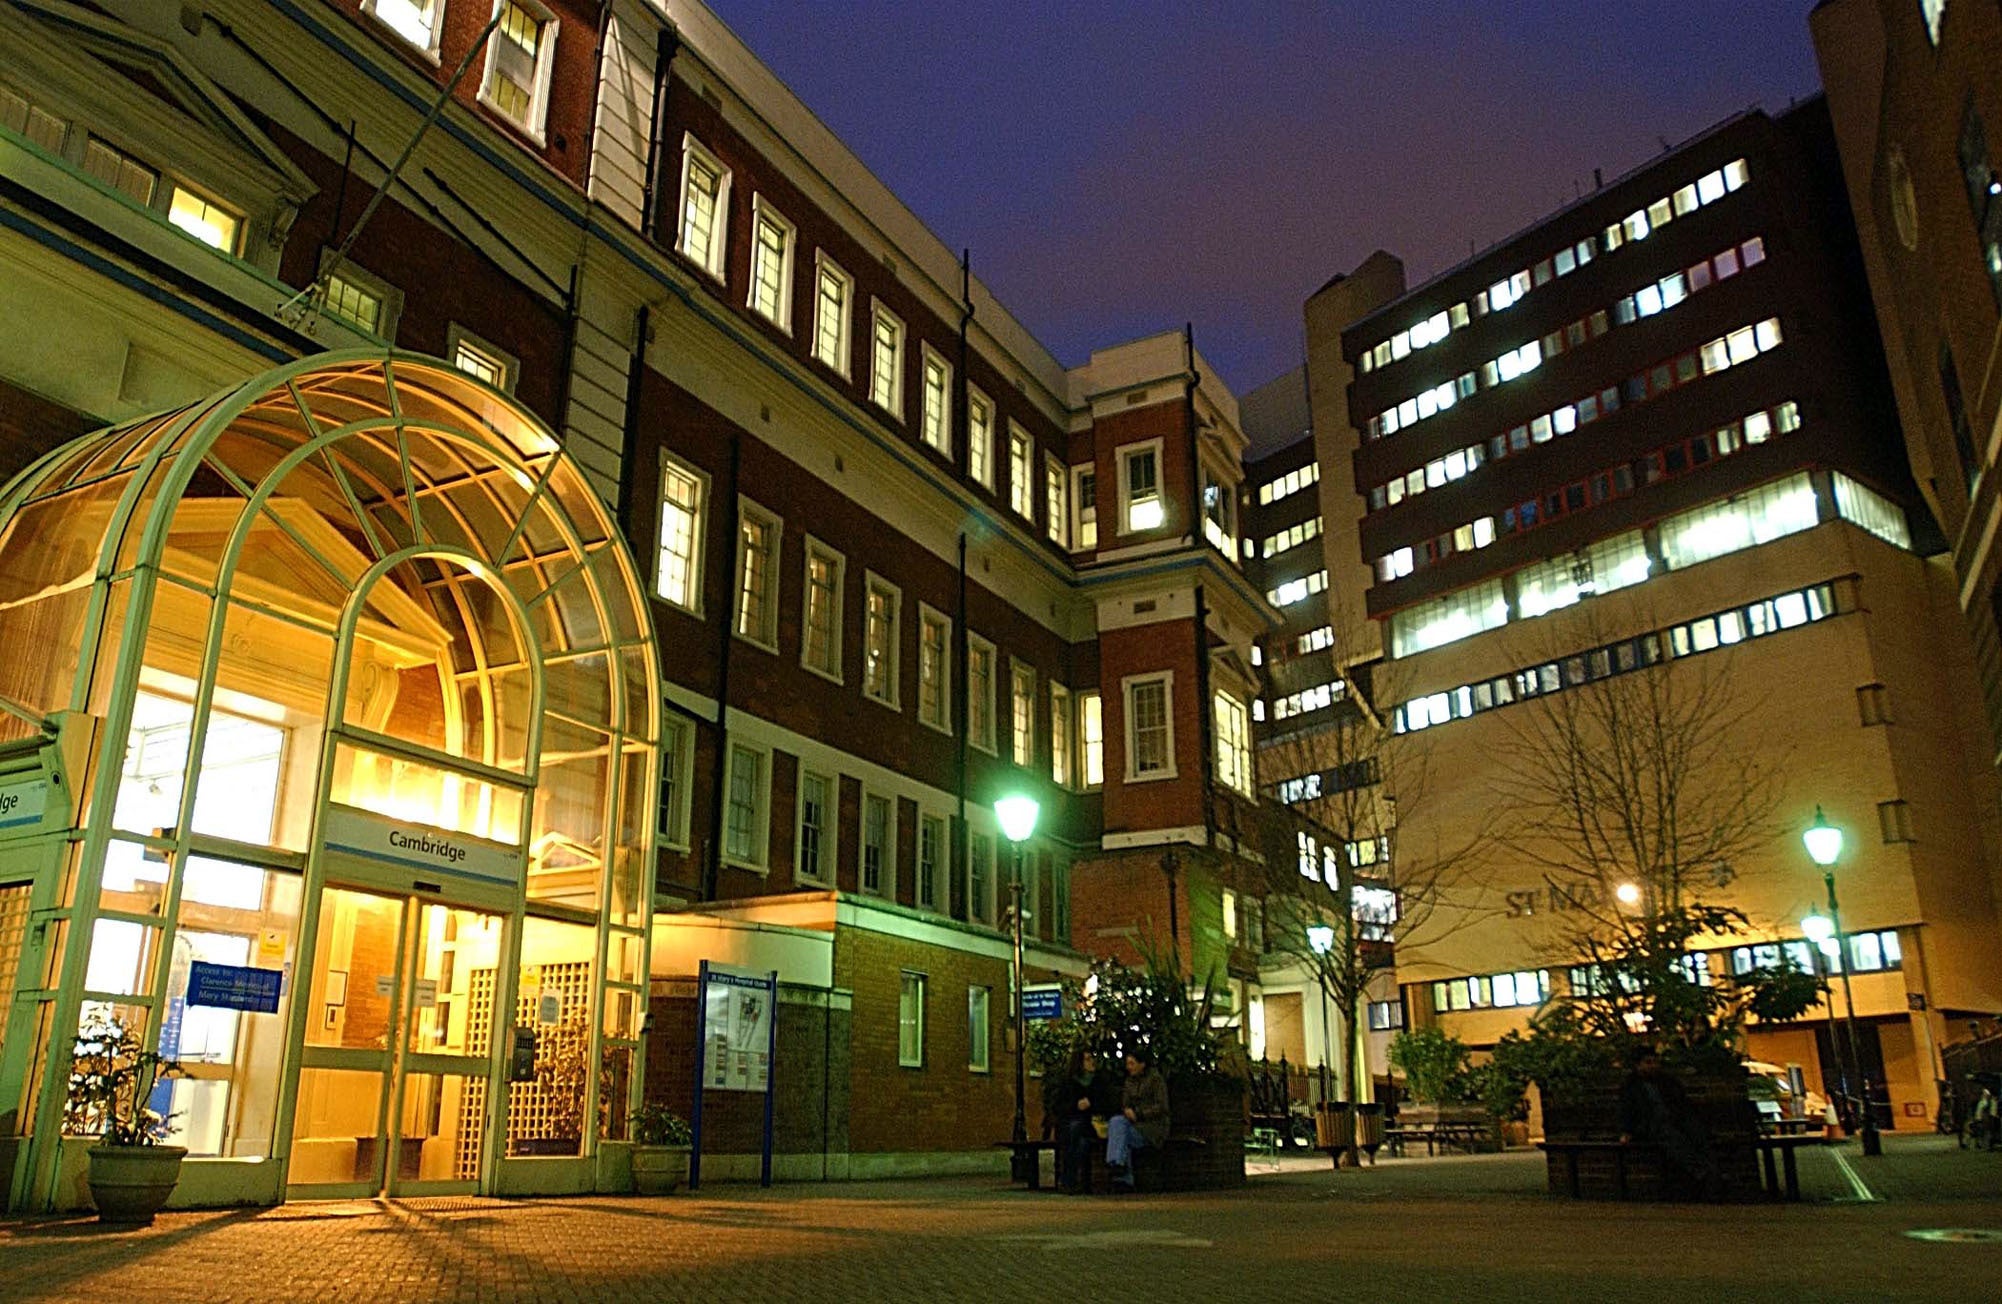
(1466, 1228)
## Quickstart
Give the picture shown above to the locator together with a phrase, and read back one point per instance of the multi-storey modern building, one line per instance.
(1654, 426)
(1913, 91)
(835, 555)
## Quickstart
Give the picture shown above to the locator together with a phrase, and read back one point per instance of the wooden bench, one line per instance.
(1778, 1185)
(1026, 1161)
(1464, 1135)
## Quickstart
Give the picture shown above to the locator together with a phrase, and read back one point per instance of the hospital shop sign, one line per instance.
(420, 846)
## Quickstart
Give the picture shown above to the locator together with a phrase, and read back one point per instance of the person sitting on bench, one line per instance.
(1142, 1120)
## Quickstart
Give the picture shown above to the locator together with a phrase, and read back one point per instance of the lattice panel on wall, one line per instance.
(536, 1111)
(13, 932)
(473, 1100)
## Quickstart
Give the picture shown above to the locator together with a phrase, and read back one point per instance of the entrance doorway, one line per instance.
(398, 1062)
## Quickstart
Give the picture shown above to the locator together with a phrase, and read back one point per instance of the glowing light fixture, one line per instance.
(1628, 893)
(1321, 938)
(1017, 813)
(1824, 840)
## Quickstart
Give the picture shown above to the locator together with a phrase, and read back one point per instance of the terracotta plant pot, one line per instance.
(658, 1170)
(129, 1184)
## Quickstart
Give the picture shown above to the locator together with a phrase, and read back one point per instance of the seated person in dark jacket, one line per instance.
(1142, 1120)
(1655, 1110)
(1073, 1097)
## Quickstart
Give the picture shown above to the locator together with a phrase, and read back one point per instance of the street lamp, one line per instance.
(1016, 814)
(1321, 940)
(1824, 847)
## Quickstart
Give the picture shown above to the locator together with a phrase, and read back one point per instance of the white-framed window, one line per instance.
(833, 313)
(360, 298)
(1091, 739)
(481, 360)
(881, 601)
(819, 822)
(980, 877)
(519, 57)
(1084, 507)
(979, 1035)
(677, 754)
(416, 21)
(935, 403)
(1230, 914)
(1021, 472)
(980, 662)
(1150, 726)
(821, 612)
(886, 360)
(1233, 744)
(1063, 736)
(1140, 506)
(1056, 501)
(1022, 712)
(204, 219)
(911, 1020)
(772, 241)
(684, 498)
(934, 669)
(980, 437)
(746, 797)
(1220, 511)
(758, 534)
(879, 845)
(932, 861)
(705, 207)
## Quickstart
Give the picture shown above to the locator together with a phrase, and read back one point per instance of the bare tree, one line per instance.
(1346, 887)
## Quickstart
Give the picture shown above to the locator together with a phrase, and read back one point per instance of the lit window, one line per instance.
(518, 62)
(878, 855)
(820, 637)
(771, 265)
(832, 315)
(1084, 496)
(935, 425)
(980, 437)
(119, 170)
(1091, 738)
(978, 1035)
(1934, 12)
(879, 642)
(1233, 744)
(682, 491)
(1021, 488)
(911, 1021)
(677, 744)
(1150, 731)
(705, 206)
(886, 362)
(358, 304)
(980, 877)
(757, 577)
(481, 360)
(1140, 488)
(1056, 500)
(744, 811)
(1219, 512)
(1063, 735)
(416, 21)
(816, 827)
(931, 860)
(980, 692)
(212, 224)
(1022, 701)
(934, 668)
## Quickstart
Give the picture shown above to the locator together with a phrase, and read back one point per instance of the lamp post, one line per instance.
(1017, 816)
(1824, 846)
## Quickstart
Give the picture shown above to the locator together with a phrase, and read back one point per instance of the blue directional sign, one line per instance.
(1042, 1003)
(233, 987)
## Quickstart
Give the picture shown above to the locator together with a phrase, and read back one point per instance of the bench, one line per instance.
(1025, 1163)
(1781, 1179)
(1464, 1135)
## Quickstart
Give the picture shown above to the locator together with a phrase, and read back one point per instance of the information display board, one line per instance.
(736, 1026)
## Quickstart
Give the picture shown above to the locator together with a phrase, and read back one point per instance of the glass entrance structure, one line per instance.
(328, 713)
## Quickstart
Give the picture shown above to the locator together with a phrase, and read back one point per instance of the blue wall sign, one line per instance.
(1042, 1003)
(232, 987)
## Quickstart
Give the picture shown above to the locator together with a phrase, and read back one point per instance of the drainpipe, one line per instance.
(629, 445)
(963, 461)
(1205, 717)
(712, 864)
(1195, 436)
(667, 43)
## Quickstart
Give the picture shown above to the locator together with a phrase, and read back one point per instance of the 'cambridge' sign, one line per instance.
(420, 846)
(22, 804)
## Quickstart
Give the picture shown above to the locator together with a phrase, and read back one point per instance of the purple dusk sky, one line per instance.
(1118, 168)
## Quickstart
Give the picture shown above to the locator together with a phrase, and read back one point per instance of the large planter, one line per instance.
(1205, 1150)
(658, 1170)
(1720, 1103)
(129, 1184)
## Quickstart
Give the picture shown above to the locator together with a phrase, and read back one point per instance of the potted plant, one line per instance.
(113, 1075)
(661, 1142)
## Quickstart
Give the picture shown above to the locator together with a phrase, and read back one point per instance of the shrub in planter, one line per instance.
(112, 1077)
(661, 1141)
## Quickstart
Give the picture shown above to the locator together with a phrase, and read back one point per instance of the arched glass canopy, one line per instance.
(362, 582)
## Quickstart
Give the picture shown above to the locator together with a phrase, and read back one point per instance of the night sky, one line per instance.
(1118, 168)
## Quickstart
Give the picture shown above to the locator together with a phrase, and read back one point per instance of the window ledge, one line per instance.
(1151, 778)
(945, 729)
(830, 678)
(733, 862)
(887, 703)
(535, 135)
(757, 643)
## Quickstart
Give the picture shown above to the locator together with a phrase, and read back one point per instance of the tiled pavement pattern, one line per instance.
(1445, 1230)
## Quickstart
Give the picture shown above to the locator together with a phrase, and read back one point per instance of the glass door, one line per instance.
(396, 1070)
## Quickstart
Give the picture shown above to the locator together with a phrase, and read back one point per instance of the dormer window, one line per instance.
(518, 62)
(416, 21)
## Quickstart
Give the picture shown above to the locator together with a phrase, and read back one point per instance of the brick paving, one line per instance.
(1476, 1228)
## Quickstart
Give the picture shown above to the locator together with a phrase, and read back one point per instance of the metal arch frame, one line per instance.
(188, 439)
